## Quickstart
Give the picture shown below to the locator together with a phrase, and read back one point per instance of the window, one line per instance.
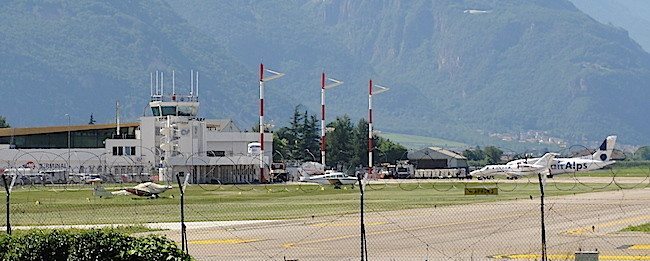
(185, 111)
(168, 110)
(120, 151)
(155, 111)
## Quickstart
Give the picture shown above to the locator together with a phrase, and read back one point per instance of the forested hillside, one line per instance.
(79, 57)
(456, 67)
(631, 15)
(457, 70)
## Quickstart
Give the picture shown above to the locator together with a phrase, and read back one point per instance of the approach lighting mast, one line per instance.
(324, 85)
(274, 75)
(380, 89)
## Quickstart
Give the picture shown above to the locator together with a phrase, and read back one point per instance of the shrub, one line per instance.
(87, 245)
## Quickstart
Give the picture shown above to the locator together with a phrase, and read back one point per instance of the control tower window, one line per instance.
(168, 110)
(185, 111)
(155, 111)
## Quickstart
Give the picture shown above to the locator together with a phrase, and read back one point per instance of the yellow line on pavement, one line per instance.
(582, 230)
(348, 224)
(639, 247)
(229, 241)
(568, 257)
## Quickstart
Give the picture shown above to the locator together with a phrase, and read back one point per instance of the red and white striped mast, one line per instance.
(324, 86)
(274, 75)
(370, 144)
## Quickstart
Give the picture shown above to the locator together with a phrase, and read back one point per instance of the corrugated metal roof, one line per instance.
(448, 152)
(429, 151)
(8, 132)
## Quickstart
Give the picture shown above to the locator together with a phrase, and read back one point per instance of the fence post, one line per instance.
(541, 189)
(183, 227)
(8, 201)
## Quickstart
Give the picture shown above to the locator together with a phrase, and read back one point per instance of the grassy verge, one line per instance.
(126, 230)
(640, 228)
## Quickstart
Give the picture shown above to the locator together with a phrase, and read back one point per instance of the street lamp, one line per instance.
(274, 75)
(68, 115)
(324, 85)
(380, 89)
(312, 155)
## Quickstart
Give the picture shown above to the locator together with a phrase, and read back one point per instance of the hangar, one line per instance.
(446, 163)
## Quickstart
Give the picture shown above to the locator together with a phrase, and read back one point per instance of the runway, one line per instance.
(485, 231)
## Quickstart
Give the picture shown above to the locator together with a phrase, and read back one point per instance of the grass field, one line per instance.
(48, 206)
(616, 172)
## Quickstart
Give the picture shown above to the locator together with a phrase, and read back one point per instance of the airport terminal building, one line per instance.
(157, 147)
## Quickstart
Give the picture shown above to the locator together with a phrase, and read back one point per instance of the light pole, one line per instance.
(68, 115)
(274, 75)
(324, 85)
(312, 155)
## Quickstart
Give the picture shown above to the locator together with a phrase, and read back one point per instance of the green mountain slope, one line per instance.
(79, 57)
(632, 15)
(456, 67)
(458, 70)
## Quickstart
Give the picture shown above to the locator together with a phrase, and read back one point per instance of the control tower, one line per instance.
(163, 105)
(175, 119)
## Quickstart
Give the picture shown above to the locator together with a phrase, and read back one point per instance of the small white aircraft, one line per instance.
(146, 189)
(474, 11)
(515, 171)
(598, 160)
(330, 178)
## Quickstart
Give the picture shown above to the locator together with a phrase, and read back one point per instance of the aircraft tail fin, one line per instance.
(546, 160)
(604, 152)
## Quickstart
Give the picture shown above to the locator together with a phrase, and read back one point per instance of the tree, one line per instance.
(311, 136)
(474, 154)
(642, 153)
(391, 152)
(92, 120)
(280, 144)
(360, 144)
(492, 154)
(3, 123)
(340, 149)
(295, 137)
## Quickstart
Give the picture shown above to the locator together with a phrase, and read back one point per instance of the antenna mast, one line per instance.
(117, 116)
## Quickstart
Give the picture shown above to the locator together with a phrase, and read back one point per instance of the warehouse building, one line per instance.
(435, 162)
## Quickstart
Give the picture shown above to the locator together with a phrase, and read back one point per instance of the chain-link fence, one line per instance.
(229, 215)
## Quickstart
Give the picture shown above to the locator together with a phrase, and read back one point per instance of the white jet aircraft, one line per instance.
(600, 159)
(515, 171)
(146, 189)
